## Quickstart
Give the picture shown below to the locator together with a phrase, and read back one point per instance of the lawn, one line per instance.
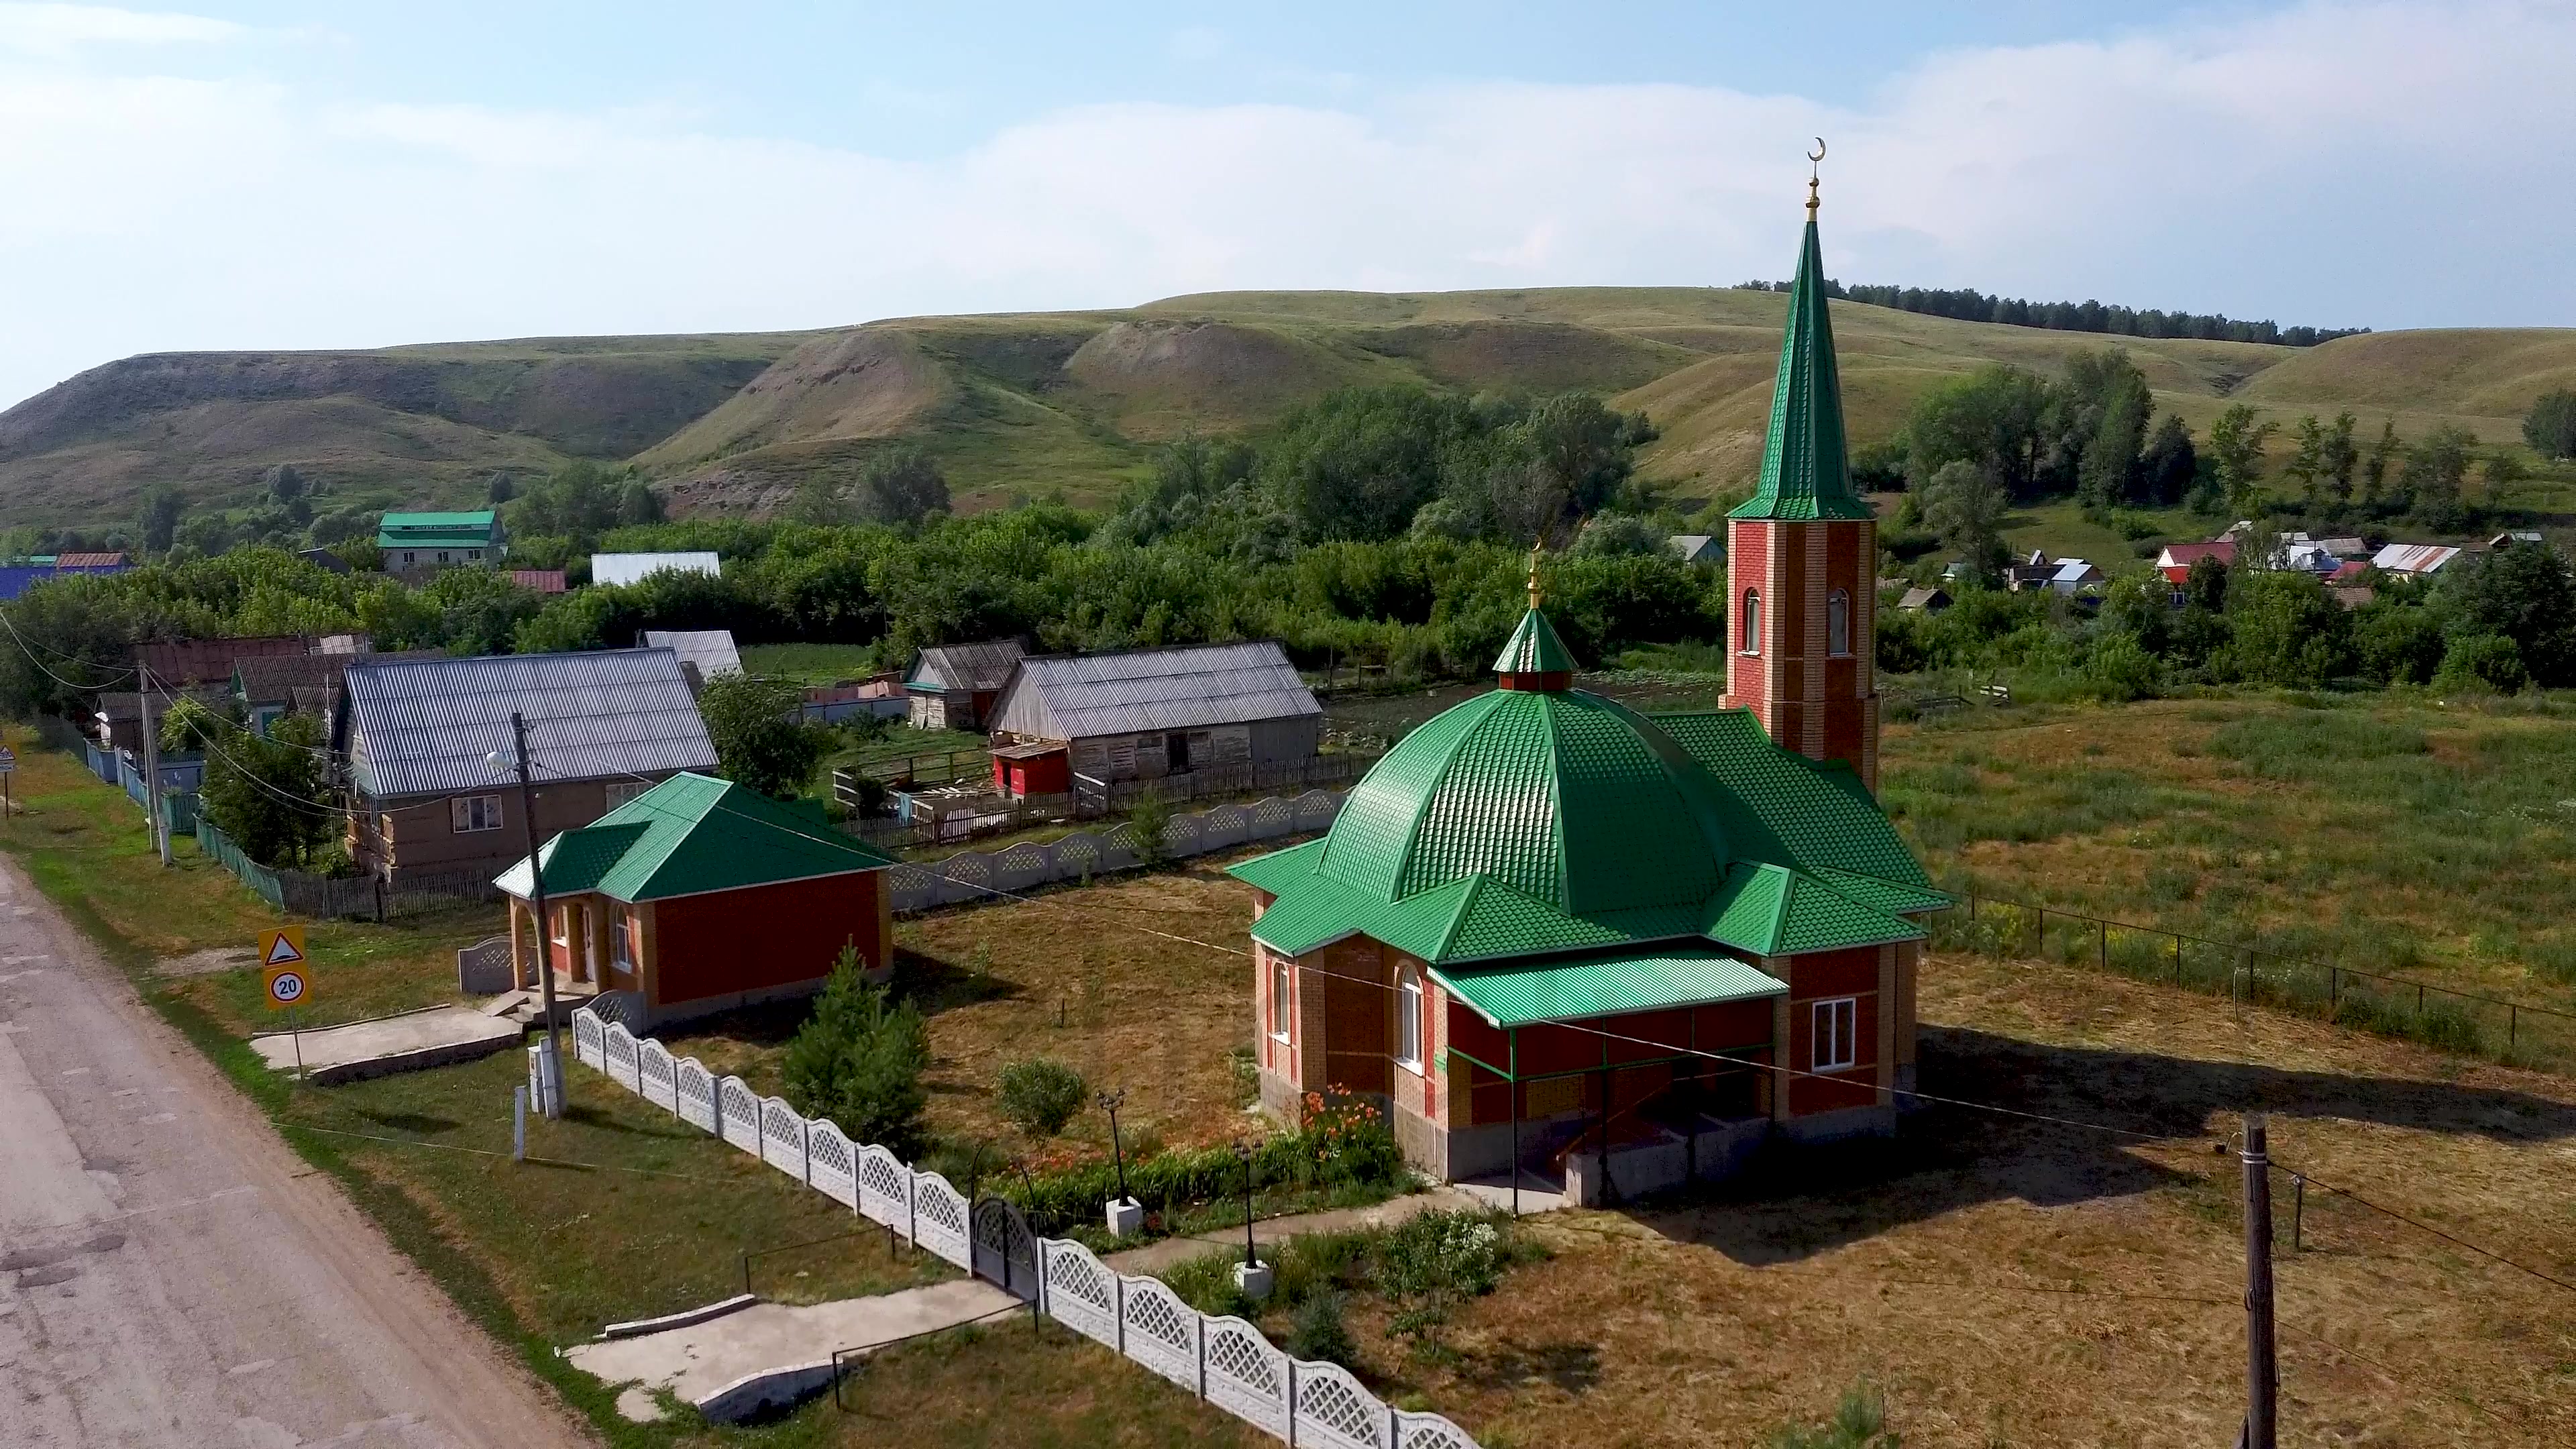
(2062, 531)
(811, 663)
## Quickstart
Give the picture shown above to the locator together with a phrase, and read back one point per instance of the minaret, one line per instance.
(1802, 556)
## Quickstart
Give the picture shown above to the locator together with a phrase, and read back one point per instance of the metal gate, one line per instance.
(1006, 1252)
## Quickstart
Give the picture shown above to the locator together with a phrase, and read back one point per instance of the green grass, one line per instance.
(813, 663)
(2061, 530)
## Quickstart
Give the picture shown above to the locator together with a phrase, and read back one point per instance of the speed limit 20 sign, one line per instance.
(286, 987)
(282, 957)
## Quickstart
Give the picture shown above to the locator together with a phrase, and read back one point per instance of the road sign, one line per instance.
(8, 759)
(286, 987)
(281, 946)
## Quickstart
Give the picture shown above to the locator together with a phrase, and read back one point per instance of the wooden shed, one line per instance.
(1147, 713)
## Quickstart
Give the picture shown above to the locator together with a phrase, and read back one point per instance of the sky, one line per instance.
(285, 174)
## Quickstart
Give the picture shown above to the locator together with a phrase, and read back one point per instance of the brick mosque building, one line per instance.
(1546, 924)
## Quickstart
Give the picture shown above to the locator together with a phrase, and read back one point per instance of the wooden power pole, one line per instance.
(550, 1072)
(2262, 1370)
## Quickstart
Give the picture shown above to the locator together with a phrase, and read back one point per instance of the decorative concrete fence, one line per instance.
(975, 875)
(1223, 1360)
(485, 968)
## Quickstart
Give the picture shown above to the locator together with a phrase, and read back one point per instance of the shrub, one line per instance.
(1040, 1096)
(2478, 663)
(1859, 1422)
(1318, 1333)
(1147, 819)
(858, 1060)
(1432, 1263)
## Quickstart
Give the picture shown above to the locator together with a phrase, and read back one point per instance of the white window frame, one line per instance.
(621, 791)
(559, 930)
(1838, 623)
(1833, 1034)
(1409, 1022)
(1752, 624)
(469, 814)
(621, 946)
(1282, 998)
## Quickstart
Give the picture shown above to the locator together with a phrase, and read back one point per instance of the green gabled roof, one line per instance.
(1894, 897)
(1534, 648)
(693, 833)
(1770, 910)
(1319, 911)
(1525, 993)
(1806, 473)
(1785, 808)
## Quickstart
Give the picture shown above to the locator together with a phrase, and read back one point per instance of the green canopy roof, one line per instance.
(1805, 471)
(690, 834)
(1534, 649)
(1613, 984)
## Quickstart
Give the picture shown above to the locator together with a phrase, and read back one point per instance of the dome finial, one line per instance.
(1814, 158)
(1536, 548)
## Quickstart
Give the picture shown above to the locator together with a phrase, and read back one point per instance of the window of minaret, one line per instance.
(1752, 621)
(1838, 624)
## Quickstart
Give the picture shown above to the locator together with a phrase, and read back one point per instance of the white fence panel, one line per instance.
(1332, 1410)
(1246, 1377)
(617, 1047)
(1429, 1431)
(831, 1163)
(1022, 866)
(782, 1135)
(738, 1114)
(693, 1091)
(1081, 1292)
(1159, 1331)
(653, 1069)
(587, 1038)
(885, 1188)
(939, 1220)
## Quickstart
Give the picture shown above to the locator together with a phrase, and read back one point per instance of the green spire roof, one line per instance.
(1805, 473)
(1534, 648)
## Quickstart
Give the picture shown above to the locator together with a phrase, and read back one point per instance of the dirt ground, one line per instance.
(2008, 1281)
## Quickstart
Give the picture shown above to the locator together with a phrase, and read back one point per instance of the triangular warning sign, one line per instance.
(281, 951)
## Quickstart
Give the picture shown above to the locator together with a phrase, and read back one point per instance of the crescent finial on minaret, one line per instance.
(1814, 160)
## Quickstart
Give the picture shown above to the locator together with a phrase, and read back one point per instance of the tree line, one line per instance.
(1967, 304)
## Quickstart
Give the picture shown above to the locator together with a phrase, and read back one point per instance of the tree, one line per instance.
(2383, 455)
(284, 484)
(2307, 461)
(271, 795)
(501, 489)
(2287, 630)
(2434, 470)
(162, 506)
(902, 485)
(1040, 1096)
(2236, 451)
(638, 504)
(2502, 471)
(858, 1061)
(1966, 508)
(2525, 593)
(2336, 456)
(2101, 411)
(2550, 426)
(2170, 464)
(762, 741)
(2479, 663)
(1991, 418)
(1587, 450)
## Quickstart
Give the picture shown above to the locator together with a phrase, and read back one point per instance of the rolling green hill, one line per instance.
(1070, 404)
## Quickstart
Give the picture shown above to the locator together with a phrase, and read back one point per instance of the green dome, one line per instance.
(1563, 796)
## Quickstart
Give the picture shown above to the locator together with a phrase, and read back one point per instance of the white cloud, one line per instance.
(56, 29)
(2385, 164)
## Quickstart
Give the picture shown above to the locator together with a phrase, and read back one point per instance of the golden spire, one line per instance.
(1813, 158)
(1535, 550)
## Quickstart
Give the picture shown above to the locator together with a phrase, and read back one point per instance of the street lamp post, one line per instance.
(1126, 1215)
(1251, 1278)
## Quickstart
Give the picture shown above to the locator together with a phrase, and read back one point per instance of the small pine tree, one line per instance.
(859, 1059)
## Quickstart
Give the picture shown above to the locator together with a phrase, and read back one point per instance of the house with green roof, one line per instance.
(1560, 938)
(698, 896)
(440, 540)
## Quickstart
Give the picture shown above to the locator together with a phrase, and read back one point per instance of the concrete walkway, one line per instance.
(435, 1036)
(696, 1362)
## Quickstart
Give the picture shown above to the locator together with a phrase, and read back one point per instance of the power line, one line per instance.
(2422, 1226)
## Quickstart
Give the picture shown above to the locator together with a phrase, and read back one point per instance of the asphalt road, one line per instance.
(172, 1275)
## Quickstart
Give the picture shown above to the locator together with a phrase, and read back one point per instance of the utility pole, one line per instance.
(550, 1061)
(2262, 1373)
(151, 766)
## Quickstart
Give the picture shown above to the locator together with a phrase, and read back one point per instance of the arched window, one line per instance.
(1408, 1021)
(1838, 623)
(1752, 621)
(1279, 1002)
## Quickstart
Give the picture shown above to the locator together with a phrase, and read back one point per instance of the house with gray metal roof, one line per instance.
(950, 686)
(419, 735)
(1147, 713)
(703, 652)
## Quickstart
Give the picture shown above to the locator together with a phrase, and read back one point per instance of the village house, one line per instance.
(415, 541)
(1924, 601)
(1094, 720)
(537, 581)
(1551, 933)
(698, 896)
(266, 688)
(198, 669)
(2413, 558)
(951, 686)
(1698, 548)
(428, 798)
(704, 653)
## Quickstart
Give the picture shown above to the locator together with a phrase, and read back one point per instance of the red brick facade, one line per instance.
(1796, 590)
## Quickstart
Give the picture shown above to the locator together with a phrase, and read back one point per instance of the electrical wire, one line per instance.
(2422, 1226)
(29, 650)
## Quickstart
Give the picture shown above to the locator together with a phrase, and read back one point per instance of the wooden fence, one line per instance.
(973, 875)
(327, 897)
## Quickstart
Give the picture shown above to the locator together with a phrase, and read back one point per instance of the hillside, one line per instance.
(1069, 404)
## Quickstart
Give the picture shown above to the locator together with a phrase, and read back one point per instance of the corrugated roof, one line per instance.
(966, 666)
(424, 727)
(69, 562)
(2413, 558)
(710, 649)
(203, 661)
(693, 833)
(543, 581)
(263, 678)
(1534, 649)
(1527, 993)
(1151, 689)
(629, 568)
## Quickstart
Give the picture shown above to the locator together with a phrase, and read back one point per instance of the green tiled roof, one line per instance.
(1524, 993)
(1805, 471)
(1770, 910)
(1785, 808)
(1534, 649)
(689, 834)
(436, 530)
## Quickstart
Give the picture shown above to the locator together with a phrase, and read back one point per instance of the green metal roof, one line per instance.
(1527, 993)
(1782, 807)
(689, 834)
(437, 530)
(1805, 471)
(1770, 910)
(1534, 649)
